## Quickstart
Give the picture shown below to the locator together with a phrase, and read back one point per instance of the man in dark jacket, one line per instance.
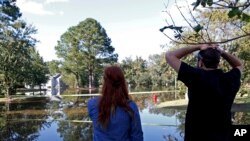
(211, 91)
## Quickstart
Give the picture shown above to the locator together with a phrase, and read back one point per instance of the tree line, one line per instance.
(20, 63)
(84, 50)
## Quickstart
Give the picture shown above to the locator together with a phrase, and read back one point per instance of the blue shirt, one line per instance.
(121, 126)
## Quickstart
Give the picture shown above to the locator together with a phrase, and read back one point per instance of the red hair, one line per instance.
(114, 93)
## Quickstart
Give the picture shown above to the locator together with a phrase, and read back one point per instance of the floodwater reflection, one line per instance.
(40, 119)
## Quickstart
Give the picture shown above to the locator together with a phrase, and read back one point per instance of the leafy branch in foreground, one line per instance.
(205, 25)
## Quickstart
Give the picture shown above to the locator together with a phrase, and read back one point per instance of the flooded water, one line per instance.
(66, 119)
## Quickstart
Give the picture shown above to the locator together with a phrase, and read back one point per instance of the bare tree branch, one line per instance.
(214, 42)
(231, 5)
(183, 15)
(202, 35)
(207, 27)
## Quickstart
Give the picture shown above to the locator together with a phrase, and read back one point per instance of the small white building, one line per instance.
(53, 85)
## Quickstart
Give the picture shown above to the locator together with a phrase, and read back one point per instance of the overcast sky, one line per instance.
(132, 25)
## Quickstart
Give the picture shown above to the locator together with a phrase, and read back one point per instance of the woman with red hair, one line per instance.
(114, 115)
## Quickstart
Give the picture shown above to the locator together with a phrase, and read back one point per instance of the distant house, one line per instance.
(53, 85)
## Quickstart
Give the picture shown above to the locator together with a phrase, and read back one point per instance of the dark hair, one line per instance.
(114, 93)
(210, 57)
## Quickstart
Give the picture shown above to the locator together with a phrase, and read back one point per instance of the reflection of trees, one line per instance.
(242, 118)
(74, 101)
(164, 111)
(180, 116)
(170, 137)
(22, 130)
(16, 121)
(166, 96)
(76, 113)
(140, 101)
(146, 100)
(70, 129)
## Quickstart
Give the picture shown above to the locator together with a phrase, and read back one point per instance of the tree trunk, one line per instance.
(77, 81)
(7, 94)
(40, 91)
(9, 91)
(90, 78)
(8, 86)
(7, 105)
(93, 79)
(90, 81)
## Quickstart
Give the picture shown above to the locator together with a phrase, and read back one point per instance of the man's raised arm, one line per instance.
(173, 57)
(234, 61)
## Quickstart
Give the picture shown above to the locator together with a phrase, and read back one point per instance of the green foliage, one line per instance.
(84, 49)
(149, 74)
(196, 4)
(234, 12)
(177, 30)
(14, 56)
(243, 51)
(209, 2)
(135, 71)
(38, 72)
(204, 3)
(54, 67)
(237, 11)
(159, 71)
(198, 28)
(9, 8)
(69, 79)
(236, 8)
(245, 17)
(19, 62)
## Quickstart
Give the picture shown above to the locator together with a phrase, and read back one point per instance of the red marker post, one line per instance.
(154, 98)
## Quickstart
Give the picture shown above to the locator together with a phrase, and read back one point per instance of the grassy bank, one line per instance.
(240, 104)
(19, 98)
